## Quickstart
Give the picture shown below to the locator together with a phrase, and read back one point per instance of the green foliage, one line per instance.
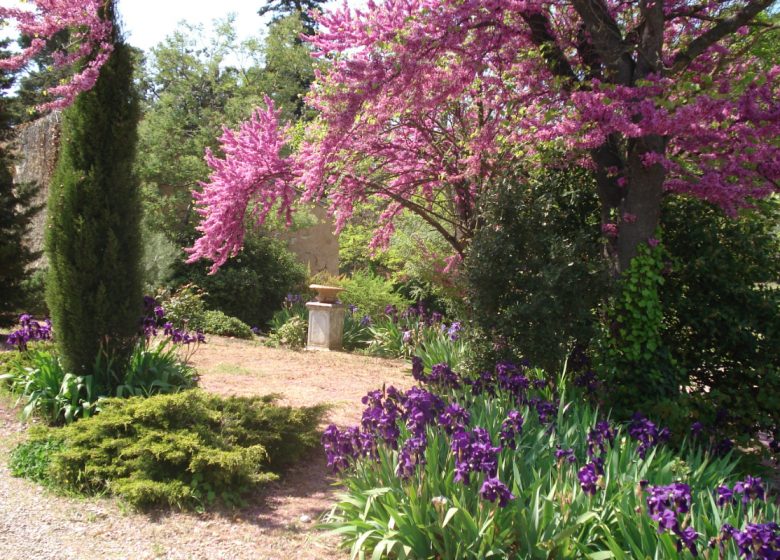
(216, 322)
(409, 334)
(370, 293)
(185, 308)
(357, 332)
(430, 515)
(187, 450)
(414, 261)
(160, 256)
(156, 369)
(92, 238)
(16, 211)
(292, 306)
(34, 290)
(250, 285)
(289, 66)
(190, 92)
(638, 371)
(722, 312)
(47, 390)
(32, 458)
(535, 270)
(292, 333)
(285, 9)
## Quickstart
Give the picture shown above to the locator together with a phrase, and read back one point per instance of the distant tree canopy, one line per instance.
(282, 8)
(15, 214)
(195, 81)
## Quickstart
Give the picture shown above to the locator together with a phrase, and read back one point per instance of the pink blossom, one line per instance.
(609, 229)
(90, 33)
(425, 101)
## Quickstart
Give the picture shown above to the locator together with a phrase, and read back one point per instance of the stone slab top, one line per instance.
(326, 294)
(323, 305)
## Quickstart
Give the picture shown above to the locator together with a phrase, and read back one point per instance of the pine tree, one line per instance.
(16, 212)
(283, 8)
(92, 239)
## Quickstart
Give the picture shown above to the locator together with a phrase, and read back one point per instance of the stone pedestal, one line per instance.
(326, 326)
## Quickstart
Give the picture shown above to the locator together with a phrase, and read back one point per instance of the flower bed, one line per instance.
(506, 464)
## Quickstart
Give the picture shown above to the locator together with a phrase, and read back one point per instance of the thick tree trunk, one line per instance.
(634, 207)
(641, 206)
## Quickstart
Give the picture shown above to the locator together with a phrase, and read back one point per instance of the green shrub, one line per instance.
(357, 332)
(216, 322)
(535, 270)
(292, 306)
(635, 366)
(34, 288)
(46, 390)
(411, 334)
(370, 293)
(185, 308)
(16, 212)
(721, 301)
(184, 450)
(250, 285)
(292, 334)
(160, 256)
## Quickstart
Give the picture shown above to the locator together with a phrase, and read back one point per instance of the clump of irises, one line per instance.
(452, 421)
(154, 319)
(759, 541)
(29, 330)
(646, 433)
(668, 505)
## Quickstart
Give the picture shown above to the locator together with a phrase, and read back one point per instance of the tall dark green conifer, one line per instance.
(92, 238)
(16, 212)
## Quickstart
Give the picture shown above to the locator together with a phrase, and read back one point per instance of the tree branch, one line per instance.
(727, 26)
(607, 39)
(542, 37)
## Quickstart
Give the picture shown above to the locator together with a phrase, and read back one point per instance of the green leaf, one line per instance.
(449, 515)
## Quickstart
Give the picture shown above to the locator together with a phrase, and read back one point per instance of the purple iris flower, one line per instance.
(565, 455)
(598, 438)
(646, 433)
(493, 489)
(751, 489)
(511, 428)
(454, 417)
(589, 477)
(725, 495)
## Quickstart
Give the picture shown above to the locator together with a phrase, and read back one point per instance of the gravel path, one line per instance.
(36, 524)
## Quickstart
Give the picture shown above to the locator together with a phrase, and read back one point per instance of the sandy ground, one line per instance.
(36, 524)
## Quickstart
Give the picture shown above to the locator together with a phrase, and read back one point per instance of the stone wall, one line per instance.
(37, 147)
(316, 246)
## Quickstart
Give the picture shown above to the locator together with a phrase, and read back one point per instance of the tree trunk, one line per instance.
(640, 208)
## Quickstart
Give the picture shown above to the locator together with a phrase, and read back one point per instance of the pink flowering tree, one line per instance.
(423, 102)
(89, 48)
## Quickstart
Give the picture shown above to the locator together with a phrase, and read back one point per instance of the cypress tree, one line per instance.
(92, 238)
(16, 211)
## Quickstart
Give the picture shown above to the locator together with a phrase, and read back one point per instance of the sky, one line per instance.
(147, 22)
